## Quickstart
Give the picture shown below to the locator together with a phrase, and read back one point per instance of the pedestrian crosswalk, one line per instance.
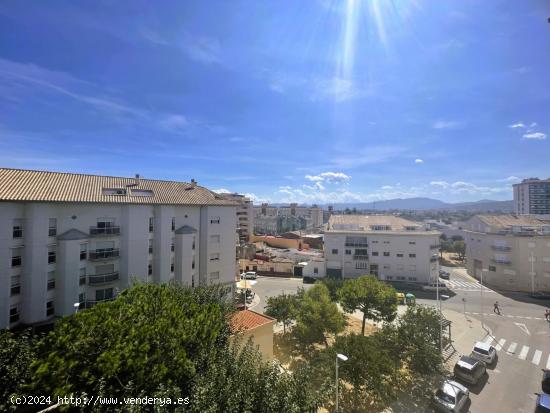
(525, 353)
(464, 285)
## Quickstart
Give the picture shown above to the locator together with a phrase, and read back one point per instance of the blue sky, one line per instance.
(309, 101)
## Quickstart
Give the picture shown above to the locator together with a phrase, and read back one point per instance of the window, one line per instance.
(172, 246)
(492, 268)
(375, 253)
(82, 277)
(334, 251)
(214, 220)
(387, 267)
(15, 285)
(374, 242)
(412, 242)
(386, 254)
(315, 270)
(14, 314)
(17, 228)
(150, 246)
(215, 239)
(83, 251)
(361, 265)
(106, 294)
(386, 242)
(400, 278)
(412, 255)
(151, 224)
(389, 277)
(173, 223)
(412, 278)
(215, 275)
(16, 257)
(399, 255)
(215, 257)
(193, 265)
(150, 269)
(52, 227)
(172, 267)
(193, 246)
(51, 255)
(348, 252)
(49, 308)
(51, 280)
(81, 299)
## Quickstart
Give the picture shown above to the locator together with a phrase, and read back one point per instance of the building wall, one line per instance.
(133, 244)
(315, 268)
(507, 259)
(532, 197)
(281, 242)
(421, 268)
(260, 266)
(262, 337)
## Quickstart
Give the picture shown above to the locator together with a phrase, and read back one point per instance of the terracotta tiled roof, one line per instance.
(42, 186)
(248, 320)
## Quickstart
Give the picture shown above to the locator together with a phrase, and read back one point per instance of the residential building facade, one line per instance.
(245, 215)
(512, 252)
(276, 220)
(389, 247)
(532, 197)
(72, 238)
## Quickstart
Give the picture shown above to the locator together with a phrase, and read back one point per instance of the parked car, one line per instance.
(451, 397)
(444, 274)
(400, 298)
(249, 275)
(469, 369)
(545, 382)
(541, 295)
(484, 352)
(434, 286)
(543, 403)
(308, 280)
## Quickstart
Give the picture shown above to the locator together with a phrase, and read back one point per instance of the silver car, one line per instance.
(451, 397)
(484, 352)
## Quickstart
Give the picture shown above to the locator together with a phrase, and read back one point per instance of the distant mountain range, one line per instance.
(423, 204)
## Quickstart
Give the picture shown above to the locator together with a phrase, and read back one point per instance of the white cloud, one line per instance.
(535, 135)
(517, 125)
(442, 184)
(203, 49)
(418, 160)
(329, 177)
(445, 124)
(387, 187)
(221, 191)
(509, 179)
(338, 89)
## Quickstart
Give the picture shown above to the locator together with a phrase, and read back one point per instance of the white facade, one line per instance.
(272, 220)
(55, 254)
(390, 252)
(532, 197)
(245, 215)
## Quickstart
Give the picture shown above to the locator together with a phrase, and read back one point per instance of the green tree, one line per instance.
(418, 337)
(459, 247)
(333, 285)
(317, 316)
(16, 355)
(371, 372)
(283, 308)
(375, 299)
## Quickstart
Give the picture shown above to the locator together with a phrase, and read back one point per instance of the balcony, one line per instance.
(104, 231)
(356, 244)
(91, 303)
(99, 255)
(102, 278)
(361, 257)
(501, 248)
(504, 261)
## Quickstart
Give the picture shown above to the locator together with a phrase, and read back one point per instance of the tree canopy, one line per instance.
(283, 308)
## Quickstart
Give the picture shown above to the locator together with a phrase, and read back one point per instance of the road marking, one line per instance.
(548, 363)
(500, 344)
(523, 353)
(524, 328)
(536, 357)
(512, 347)
(488, 339)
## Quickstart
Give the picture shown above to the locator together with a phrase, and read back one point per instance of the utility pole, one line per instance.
(532, 273)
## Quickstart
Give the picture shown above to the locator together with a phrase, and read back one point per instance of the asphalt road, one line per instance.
(520, 333)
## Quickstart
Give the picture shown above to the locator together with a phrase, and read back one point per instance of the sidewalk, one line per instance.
(465, 332)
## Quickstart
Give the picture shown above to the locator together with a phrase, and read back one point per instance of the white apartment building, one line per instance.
(512, 251)
(273, 219)
(72, 238)
(532, 197)
(245, 215)
(392, 248)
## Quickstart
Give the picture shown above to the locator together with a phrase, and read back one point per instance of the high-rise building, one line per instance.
(287, 218)
(73, 238)
(245, 215)
(532, 197)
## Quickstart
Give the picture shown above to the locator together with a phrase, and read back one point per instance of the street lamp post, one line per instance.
(532, 273)
(76, 307)
(343, 358)
(481, 303)
(441, 297)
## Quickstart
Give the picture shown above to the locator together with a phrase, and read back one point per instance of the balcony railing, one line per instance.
(104, 231)
(361, 257)
(356, 244)
(91, 303)
(501, 247)
(501, 261)
(103, 254)
(102, 278)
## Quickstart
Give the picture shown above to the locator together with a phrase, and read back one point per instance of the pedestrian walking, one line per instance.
(547, 314)
(496, 309)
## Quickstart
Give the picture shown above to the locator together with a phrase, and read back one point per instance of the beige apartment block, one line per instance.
(512, 252)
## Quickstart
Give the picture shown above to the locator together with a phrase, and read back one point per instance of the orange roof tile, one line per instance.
(248, 320)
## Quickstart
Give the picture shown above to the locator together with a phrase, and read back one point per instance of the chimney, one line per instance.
(137, 180)
(193, 183)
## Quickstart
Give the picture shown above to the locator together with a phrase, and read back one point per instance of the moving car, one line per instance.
(249, 275)
(433, 287)
(469, 369)
(543, 403)
(451, 397)
(484, 352)
(541, 295)
(444, 274)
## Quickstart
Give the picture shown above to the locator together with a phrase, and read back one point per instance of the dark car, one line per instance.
(545, 383)
(541, 295)
(543, 403)
(444, 274)
(308, 280)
